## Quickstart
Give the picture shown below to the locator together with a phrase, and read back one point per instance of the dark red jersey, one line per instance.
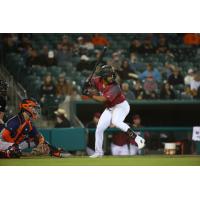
(112, 92)
(120, 139)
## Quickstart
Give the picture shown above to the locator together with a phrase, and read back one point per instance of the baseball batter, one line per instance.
(117, 108)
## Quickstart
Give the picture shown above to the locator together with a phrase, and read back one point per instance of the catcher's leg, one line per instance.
(5, 145)
(9, 150)
(25, 145)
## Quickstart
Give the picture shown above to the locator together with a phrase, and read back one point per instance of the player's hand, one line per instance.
(90, 92)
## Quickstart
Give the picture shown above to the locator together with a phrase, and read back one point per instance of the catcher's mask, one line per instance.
(31, 107)
(3, 87)
(107, 71)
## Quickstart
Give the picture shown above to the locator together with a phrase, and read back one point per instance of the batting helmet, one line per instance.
(31, 107)
(107, 71)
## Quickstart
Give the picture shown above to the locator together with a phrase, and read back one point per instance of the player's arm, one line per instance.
(36, 136)
(99, 98)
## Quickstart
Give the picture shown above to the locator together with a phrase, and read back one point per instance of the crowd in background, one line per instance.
(139, 79)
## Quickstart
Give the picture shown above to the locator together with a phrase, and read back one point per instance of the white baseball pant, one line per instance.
(133, 150)
(119, 150)
(24, 145)
(89, 151)
(114, 116)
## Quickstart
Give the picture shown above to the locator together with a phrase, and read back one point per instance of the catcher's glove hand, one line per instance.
(41, 149)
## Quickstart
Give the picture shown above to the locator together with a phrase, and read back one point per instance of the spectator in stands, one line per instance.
(66, 44)
(61, 119)
(82, 46)
(116, 61)
(63, 87)
(9, 44)
(135, 46)
(119, 144)
(24, 43)
(176, 77)
(137, 123)
(147, 47)
(51, 60)
(84, 63)
(167, 70)
(195, 86)
(125, 72)
(133, 149)
(167, 91)
(150, 71)
(97, 55)
(134, 64)
(62, 54)
(150, 88)
(162, 46)
(127, 92)
(99, 40)
(32, 58)
(91, 134)
(75, 94)
(191, 39)
(138, 90)
(44, 55)
(47, 88)
(189, 77)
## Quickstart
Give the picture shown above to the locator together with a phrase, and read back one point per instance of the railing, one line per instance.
(154, 129)
(75, 138)
(15, 92)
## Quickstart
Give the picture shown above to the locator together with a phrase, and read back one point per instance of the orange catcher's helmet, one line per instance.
(31, 107)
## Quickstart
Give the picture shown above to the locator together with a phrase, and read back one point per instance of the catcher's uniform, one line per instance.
(117, 108)
(19, 131)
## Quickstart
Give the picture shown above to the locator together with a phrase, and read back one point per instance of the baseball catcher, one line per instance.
(19, 133)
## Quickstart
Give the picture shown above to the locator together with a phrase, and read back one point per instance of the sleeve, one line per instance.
(112, 92)
(12, 124)
(143, 75)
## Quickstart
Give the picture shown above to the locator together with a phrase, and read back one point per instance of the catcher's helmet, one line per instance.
(107, 71)
(3, 87)
(31, 107)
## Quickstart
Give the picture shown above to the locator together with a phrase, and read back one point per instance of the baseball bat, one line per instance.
(97, 63)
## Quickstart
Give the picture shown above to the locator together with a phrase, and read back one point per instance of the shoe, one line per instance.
(140, 142)
(96, 155)
(56, 152)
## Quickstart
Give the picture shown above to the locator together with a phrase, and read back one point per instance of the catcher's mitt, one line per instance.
(41, 149)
